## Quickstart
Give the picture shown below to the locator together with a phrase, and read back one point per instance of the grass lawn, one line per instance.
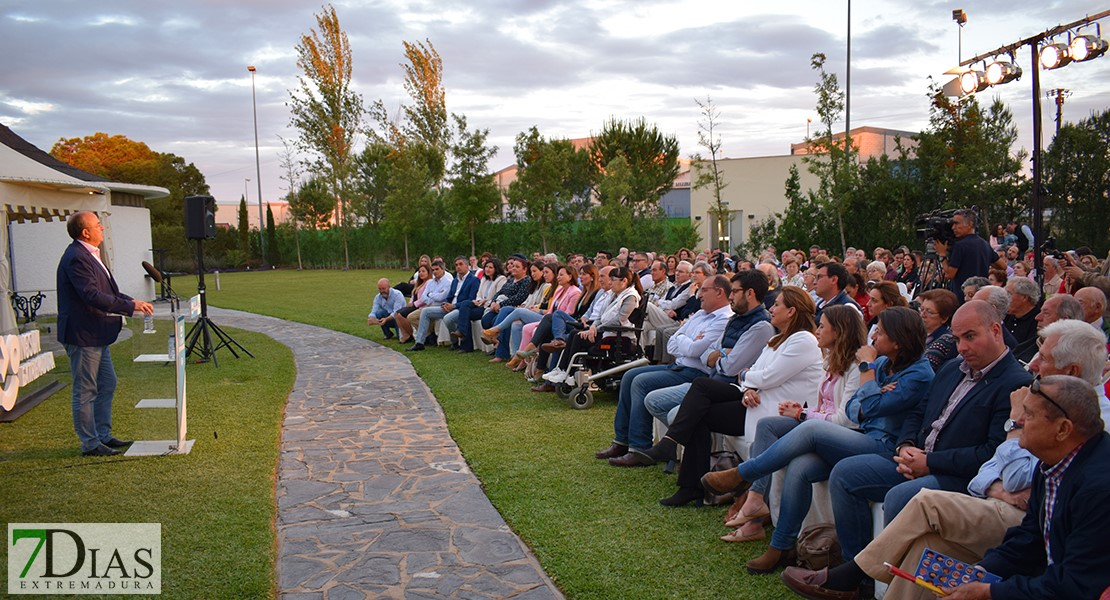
(216, 505)
(597, 530)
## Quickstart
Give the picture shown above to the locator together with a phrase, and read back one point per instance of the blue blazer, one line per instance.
(1080, 563)
(86, 294)
(974, 429)
(469, 288)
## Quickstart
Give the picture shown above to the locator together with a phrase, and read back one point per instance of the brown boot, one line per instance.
(724, 482)
(771, 560)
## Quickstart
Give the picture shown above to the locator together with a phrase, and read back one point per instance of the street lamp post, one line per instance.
(258, 171)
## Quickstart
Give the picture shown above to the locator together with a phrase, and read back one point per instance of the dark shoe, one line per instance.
(417, 347)
(632, 459)
(100, 450)
(465, 350)
(544, 387)
(612, 451)
(665, 451)
(810, 584)
(553, 346)
(389, 336)
(724, 482)
(114, 443)
(771, 560)
(682, 497)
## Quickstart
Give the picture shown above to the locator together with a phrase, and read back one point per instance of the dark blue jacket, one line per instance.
(975, 427)
(86, 294)
(841, 298)
(469, 288)
(1080, 530)
(735, 328)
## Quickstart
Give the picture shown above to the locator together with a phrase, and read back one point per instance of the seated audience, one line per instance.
(788, 368)
(468, 311)
(890, 388)
(1056, 421)
(632, 423)
(464, 286)
(944, 440)
(564, 300)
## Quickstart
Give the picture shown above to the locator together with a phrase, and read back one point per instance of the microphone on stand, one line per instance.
(156, 275)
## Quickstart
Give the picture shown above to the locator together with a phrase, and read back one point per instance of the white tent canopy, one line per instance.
(34, 186)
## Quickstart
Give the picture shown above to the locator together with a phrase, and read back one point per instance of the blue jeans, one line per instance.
(632, 423)
(859, 480)
(662, 401)
(559, 320)
(429, 314)
(382, 313)
(505, 321)
(94, 384)
(808, 452)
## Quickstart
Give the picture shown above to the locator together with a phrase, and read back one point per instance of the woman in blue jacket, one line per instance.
(894, 379)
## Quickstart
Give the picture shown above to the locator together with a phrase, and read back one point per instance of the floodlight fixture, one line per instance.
(959, 16)
(1086, 47)
(999, 72)
(1055, 55)
(973, 81)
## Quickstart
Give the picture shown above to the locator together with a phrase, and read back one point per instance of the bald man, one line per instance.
(386, 302)
(944, 441)
(1093, 301)
(90, 306)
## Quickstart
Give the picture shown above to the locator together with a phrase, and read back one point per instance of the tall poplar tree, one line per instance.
(708, 171)
(326, 111)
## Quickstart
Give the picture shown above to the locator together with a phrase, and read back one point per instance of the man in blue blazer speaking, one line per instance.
(90, 309)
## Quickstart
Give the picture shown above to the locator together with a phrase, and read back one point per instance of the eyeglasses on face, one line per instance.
(1036, 389)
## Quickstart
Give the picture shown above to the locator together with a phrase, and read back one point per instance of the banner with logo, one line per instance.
(84, 558)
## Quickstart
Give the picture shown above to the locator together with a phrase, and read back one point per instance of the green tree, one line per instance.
(964, 158)
(472, 198)
(426, 118)
(409, 202)
(312, 204)
(326, 112)
(834, 162)
(244, 230)
(551, 184)
(651, 158)
(371, 186)
(271, 238)
(1077, 174)
(708, 170)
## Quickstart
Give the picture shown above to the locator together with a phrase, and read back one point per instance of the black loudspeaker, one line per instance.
(200, 218)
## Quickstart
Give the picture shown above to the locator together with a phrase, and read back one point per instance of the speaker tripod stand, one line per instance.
(205, 329)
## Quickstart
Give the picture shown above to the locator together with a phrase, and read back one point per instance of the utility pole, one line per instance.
(1060, 94)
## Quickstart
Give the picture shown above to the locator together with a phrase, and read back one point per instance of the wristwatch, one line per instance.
(866, 366)
(801, 416)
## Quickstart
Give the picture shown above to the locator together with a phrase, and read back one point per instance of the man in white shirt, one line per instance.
(437, 291)
(632, 424)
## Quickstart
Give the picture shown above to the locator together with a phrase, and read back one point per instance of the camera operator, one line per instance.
(969, 256)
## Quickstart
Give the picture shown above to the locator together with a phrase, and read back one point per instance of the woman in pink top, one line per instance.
(565, 299)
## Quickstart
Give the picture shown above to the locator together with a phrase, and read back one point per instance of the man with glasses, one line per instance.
(964, 526)
(664, 310)
(641, 266)
(944, 441)
(632, 424)
(830, 281)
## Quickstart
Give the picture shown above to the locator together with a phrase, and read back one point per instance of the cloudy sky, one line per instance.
(174, 74)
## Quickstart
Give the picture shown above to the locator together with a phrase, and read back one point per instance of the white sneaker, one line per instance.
(556, 376)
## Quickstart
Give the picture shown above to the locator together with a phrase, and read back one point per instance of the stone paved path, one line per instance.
(374, 498)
